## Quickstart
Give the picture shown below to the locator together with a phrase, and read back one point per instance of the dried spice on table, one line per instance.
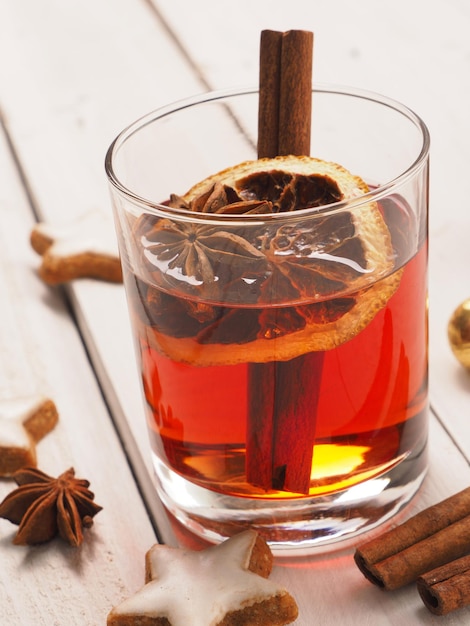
(44, 507)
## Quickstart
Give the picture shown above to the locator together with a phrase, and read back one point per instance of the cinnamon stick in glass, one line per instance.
(269, 93)
(295, 94)
(285, 93)
(297, 394)
(446, 588)
(430, 539)
(283, 396)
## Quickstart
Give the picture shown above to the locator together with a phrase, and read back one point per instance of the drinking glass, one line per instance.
(283, 356)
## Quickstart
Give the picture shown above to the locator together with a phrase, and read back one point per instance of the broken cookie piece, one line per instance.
(84, 248)
(23, 422)
(224, 585)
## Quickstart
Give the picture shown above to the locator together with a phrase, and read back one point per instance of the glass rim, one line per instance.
(373, 195)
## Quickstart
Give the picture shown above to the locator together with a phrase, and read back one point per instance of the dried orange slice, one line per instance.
(257, 179)
(296, 281)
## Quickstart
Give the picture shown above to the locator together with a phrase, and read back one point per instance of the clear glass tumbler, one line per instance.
(283, 355)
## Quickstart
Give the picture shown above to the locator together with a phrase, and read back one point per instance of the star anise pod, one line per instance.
(44, 507)
(222, 199)
(203, 259)
(280, 259)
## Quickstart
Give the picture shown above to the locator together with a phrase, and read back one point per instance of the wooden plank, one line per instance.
(41, 352)
(449, 381)
(87, 86)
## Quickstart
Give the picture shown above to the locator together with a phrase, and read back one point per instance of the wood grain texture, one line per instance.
(42, 352)
(73, 75)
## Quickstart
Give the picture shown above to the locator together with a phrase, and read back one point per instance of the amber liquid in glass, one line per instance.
(370, 410)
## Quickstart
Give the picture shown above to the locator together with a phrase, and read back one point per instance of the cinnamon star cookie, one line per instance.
(84, 248)
(224, 585)
(23, 422)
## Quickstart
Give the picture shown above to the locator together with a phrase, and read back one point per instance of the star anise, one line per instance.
(207, 261)
(291, 258)
(44, 507)
(222, 199)
(197, 264)
(199, 259)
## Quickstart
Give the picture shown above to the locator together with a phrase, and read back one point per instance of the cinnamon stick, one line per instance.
(430, 539)
(295, 97)
(285, 93)
(283, 396)
(260, 424)
(446, 588)
(281, 422)
(297, 394)
(269, 93)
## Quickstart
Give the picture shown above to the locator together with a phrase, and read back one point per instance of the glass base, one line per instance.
(297, 527)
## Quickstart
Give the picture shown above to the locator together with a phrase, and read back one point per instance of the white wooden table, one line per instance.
(73, 73)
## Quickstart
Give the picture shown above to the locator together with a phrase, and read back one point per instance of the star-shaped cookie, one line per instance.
(224, 585)
(23, 422)
(84, 248)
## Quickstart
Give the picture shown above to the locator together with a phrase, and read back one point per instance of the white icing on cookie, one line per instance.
(93, 232)
(200, 588)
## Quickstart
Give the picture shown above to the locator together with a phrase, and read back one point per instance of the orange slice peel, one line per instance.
(317, 273)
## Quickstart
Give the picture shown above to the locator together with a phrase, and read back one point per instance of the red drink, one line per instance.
(279, 311)
(369, 406)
